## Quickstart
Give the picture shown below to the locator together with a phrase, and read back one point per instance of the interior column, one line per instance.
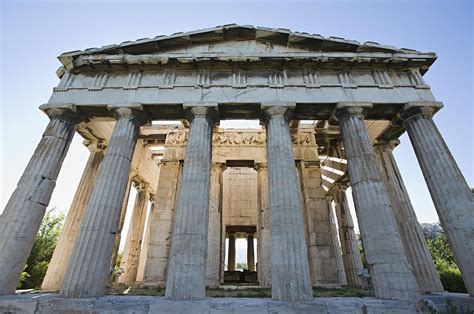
(231, 253)
(250, 253)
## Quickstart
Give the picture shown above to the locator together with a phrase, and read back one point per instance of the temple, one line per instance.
(331, 112)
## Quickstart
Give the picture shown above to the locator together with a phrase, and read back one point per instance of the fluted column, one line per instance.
(336, 247)
(410, 230)
(65, 245)
(156, 266)
(118, 234)
(291, 279)
(146, 241)
(133, 244)
(187, 268)
(349, 243)
(263, 248)
(250, 253)
(449, 190)
(89, 267)
(213, 270)
(231, 253)
(25, 210)
(391, 273)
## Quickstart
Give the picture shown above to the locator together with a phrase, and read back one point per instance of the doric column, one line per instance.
(146, 240)
(156, 266)
(349, 243)
(186, 278)
(410, 230)
(133, 244)
(118, 234)
(88, 270)
(215, 226)
(264, 266)
(25, 210)
(391, 273)
(291, 279)
(322, 256)
(250, 253)
(65, 245)
(449, 190)
(336, 247)
(231, 253)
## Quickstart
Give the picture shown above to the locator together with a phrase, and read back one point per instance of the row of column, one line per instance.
(231, 253)
(290, 273)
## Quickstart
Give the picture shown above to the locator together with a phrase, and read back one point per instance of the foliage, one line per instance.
(446, 265)
(42, 250)
(242, 266)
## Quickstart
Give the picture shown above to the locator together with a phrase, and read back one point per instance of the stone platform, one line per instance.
(48, 303)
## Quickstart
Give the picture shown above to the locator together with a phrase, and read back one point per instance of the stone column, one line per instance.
(88, 270)
(349, 243)
(213, 269)
(146, 241)
(391, 273)
(231, 253)
(186, 278)
(133, 244)
(291, 279)
(410, 230)
(22, 216)
(336, 247)
(156, 266)
(65, 245)
(250, 253)
(123, 212)
(264, 263)
(449, 190)
(322, 256)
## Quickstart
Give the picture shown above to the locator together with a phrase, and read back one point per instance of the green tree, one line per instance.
(42, 250)
(446, 265)
(242, 266)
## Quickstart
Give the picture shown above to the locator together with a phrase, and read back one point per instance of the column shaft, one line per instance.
(322, 256)
(89, 267)
(65, 245)
(22, 216)
(291, 279)
(337, 249)
(187, 269)
(133, 244)
(264, 263)
(123, 212)
(349, 243)
(250, 254)
(231, 253)
(449, 190)
(391, 273)
(146, 241)
(156, 266)
(410, 230)
(213, 270)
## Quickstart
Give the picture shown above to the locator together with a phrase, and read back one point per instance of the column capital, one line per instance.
(130, 110)
(425, 109)
(260, 166)
(63, 111)
(340, 186)
(152, 197)
(311, 163)
(386, 145)
(95, 145)
(277, 109)
(346, 109)
(208, 110)
(141, 186)
(219, 165)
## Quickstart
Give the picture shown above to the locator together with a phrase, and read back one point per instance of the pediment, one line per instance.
(238, 40)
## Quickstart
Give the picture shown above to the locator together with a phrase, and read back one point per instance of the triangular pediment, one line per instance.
(236, 40)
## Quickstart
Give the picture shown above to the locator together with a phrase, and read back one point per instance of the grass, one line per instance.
(239, 291)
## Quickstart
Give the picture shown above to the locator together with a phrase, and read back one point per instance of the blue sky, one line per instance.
(34, 33)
